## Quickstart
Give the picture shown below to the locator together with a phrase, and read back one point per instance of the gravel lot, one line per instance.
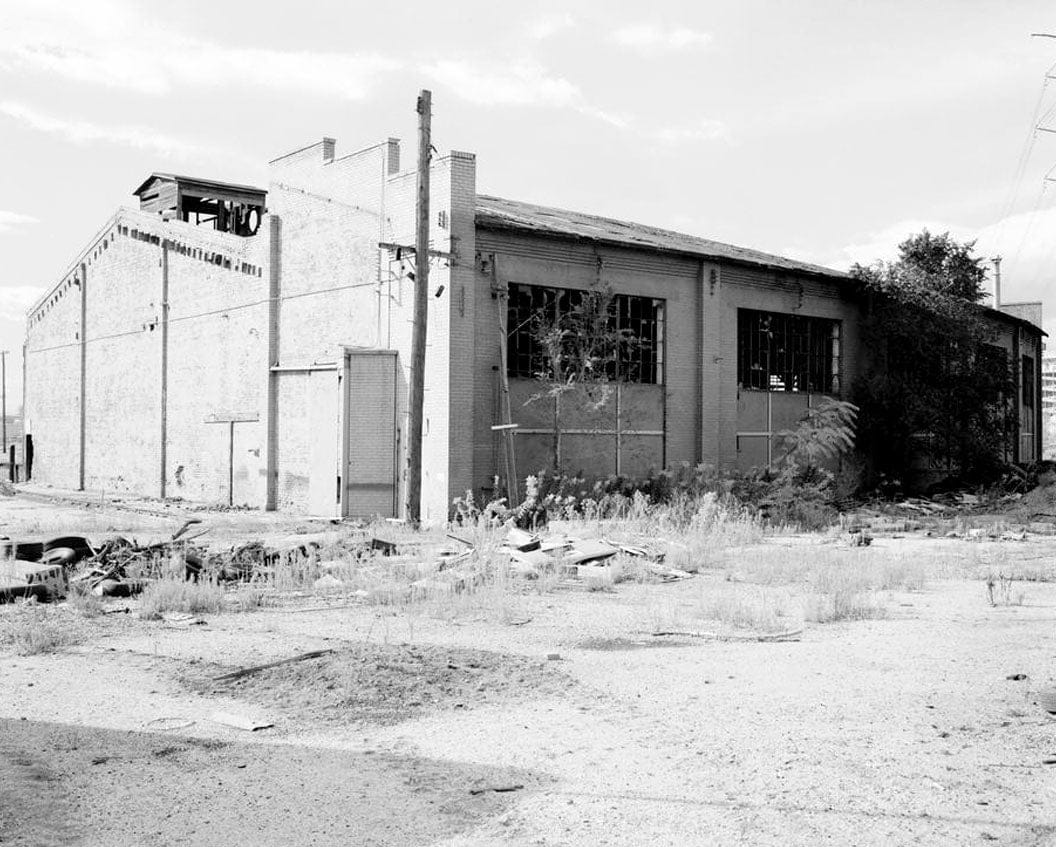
(900, 730)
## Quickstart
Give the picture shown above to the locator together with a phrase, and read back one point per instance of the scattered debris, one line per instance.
(24, 580)
(788, 635)
(859, 539)
(590, 550)
(498, 789)
(181, 619)
(169, 724)
(314, 654)
(521, 540)
(386, 548)
(239, 721)
(327, 582)
(1047, 701)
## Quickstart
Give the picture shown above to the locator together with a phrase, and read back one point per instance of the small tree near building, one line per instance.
(581, 346)
(936, 390)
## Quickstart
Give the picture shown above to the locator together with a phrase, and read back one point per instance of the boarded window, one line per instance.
(1028, 381)
(637, 354)
(783, 352)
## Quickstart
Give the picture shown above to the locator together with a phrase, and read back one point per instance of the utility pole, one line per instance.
(421, 313)
(997, 281)
(3, 409)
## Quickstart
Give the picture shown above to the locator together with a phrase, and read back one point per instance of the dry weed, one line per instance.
(167, 595)
(30, 629)
(842, 594)
(746, 607)
(1001, 590)
(82, 600)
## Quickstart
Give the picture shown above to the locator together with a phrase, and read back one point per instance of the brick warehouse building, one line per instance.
(224, 343)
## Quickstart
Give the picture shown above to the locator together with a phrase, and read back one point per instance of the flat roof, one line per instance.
(499, 213)
(210, 184)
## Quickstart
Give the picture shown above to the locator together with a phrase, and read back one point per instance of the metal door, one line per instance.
(370, 429)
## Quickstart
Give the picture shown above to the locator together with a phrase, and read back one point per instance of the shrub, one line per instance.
(801, 496)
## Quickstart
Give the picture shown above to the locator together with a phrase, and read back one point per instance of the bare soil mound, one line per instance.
(389, 683)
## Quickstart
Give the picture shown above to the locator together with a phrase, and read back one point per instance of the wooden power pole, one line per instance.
(3, 378)
(416, 399)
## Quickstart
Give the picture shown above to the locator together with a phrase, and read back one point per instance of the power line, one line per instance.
(1025, 153)
(223, 311)
(1030, 224)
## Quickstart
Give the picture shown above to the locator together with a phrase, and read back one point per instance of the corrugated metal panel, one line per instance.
(501, 214)
(752, 278)
(551, 249)
(371, 477)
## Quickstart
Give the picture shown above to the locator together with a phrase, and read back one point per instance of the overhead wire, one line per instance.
(1029, 228)
(212, 312)
(1025, 152)
(1037, 121)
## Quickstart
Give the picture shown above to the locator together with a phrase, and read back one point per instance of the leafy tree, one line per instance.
(935, 388)
(944, 265)
(581, 345)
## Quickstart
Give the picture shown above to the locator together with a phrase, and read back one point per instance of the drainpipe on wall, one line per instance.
(84, 371)
(274, 289)
(164, 364)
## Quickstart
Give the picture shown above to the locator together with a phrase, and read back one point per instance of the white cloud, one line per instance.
(611, 118)
(654, 38)
(116, 45)
(512, 84)
(10, 220)
(703, 129)
(1026, 242)
(877, 246)
(84, 132)
(529, 84)
(16, 299)
(550, 25)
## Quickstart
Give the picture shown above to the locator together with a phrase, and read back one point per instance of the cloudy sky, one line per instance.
(827, 130)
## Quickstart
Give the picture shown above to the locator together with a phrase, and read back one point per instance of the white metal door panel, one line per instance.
(323, 422)
(371, 430)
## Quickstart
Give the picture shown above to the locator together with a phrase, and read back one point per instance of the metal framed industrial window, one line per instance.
(639, 320)
(784, 352)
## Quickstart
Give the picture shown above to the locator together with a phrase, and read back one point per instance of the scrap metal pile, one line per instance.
(357, 565)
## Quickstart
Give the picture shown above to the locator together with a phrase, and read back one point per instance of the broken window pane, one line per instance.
(629, 343)
(784, 352)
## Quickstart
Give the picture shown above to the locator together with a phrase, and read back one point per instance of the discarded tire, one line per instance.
(65, 556)
(124, 588)
(10, 593)
(192, 567)
(78, 543)
(24, 551)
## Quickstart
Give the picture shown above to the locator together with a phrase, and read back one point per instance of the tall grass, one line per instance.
(749, 607)
(842, 594)
(169, 595)
(29, 629)
(82, 600)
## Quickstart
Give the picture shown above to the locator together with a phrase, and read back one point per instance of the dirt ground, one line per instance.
(561, 721)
